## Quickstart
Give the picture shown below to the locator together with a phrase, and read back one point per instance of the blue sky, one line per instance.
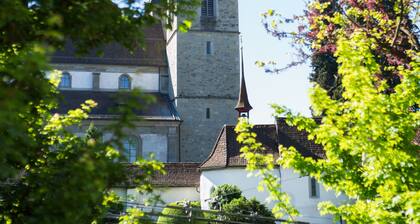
(289, 88)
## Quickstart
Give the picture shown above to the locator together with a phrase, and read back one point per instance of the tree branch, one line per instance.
(413, 39)
(399, 23)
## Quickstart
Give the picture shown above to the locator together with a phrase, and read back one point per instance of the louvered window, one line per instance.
(207, 8)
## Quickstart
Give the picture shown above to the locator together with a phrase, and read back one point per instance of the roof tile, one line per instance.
(177, 175)
(153, 52)
(226, 152)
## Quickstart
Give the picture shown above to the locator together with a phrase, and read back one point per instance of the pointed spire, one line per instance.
(243, 107)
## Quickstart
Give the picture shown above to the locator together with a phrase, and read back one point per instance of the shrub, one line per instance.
(250, 207)
(169, 210)
(223, 194)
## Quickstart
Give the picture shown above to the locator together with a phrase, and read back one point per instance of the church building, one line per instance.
(193, 76)
(196, 80)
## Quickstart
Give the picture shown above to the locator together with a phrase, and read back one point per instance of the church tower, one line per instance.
(204, 75)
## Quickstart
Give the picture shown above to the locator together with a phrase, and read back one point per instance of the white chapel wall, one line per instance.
(296, 186)
(236, 176)
(299, 189)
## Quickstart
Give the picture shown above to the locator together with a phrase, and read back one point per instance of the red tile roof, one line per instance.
(226, 152)
(177, 175)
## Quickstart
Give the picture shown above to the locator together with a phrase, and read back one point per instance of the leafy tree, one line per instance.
(223, 194)
(247, 207)
(315, 39)
(367, 137)
(49, 175)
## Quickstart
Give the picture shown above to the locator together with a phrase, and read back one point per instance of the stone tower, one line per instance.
(204, 75)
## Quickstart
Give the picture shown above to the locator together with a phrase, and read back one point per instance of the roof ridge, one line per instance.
(228, 145)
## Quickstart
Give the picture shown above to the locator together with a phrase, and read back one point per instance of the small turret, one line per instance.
(243, 107)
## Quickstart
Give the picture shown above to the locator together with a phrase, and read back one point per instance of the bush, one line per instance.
(179, 212)
(250, 207)
(223, 194)
(229, 198)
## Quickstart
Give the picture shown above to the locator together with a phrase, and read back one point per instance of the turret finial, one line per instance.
(243, 106)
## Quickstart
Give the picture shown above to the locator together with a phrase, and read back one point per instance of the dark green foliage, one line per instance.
(247, 207)
(179, 211)
(229, 199)
(325, 74)
(223, 194)
(116, 207)
(93, 134)
(48, 175)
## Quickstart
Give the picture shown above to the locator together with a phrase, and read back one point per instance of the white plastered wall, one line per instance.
(297, 187)
(145, 78)
(81, 80)
(236, 176)
(167, 194)
(148, 82)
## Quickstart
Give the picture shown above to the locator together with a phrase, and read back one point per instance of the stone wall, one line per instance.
(202, 74)
(199, 133)
(225, 19)
(201, 80)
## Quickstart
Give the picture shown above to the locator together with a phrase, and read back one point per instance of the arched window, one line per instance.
(124, 82)
(65, 81)
(131, 149)
(313, 188)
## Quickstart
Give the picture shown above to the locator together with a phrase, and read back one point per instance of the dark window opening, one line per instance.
(95, 80)
(208, 113)
(207, 8)
(209, 47)
(243, 114)
(314, 188)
